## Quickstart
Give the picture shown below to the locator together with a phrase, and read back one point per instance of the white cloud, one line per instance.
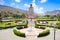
(33, 1)
(37, 9)
(40, 10)
(43, 1)
(26, 5)
(17, 0)
(14, 5)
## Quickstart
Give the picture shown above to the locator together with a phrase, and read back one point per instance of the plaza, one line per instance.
(7, 34)
(30, 28)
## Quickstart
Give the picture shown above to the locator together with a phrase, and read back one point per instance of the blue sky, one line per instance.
(40, 6)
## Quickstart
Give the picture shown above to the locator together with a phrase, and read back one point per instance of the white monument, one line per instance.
(31, 14)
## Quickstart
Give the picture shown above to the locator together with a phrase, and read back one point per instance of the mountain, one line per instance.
(54, 12)
(7, 10)
(10, 10)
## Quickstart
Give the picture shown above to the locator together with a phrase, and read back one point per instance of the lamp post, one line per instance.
(54, 32)
(54, 29)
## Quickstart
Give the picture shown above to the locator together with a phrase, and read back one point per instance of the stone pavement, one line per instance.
(7, 34)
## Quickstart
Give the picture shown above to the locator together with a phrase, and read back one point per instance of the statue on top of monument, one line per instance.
(30, 5)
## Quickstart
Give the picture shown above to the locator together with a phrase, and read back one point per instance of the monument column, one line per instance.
(31, 10)
(31, 14)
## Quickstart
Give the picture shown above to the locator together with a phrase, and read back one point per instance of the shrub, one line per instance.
(3, 26)
(42, 27)
(44, 33)
(58, 25)
(21, 34)
(19, 27)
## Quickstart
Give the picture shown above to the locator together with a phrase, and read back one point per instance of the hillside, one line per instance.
(54, 12)
(6, 10)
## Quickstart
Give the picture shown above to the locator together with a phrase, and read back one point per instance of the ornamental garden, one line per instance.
(30, 24)
(40, 23)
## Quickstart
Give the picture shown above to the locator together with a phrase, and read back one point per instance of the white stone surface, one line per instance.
(7, 34)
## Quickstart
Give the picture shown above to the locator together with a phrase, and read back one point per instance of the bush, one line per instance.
(42, 27)
(18, 33)
(19, 27)
(44, 33)
(58, 25)
(7, 24)
(3, 26)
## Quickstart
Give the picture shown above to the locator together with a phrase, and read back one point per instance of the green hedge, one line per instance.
(46, 20)
(20, 26)
(44, 33)
(51, 26)
(18, 33)
(37, 26)
(58, 25)
(7, 24)
(42, 27)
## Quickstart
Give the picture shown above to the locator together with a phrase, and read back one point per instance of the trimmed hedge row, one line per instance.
(18, 33)
(58, 25)
(49, 25)
(44, 33)
(42, 27)
(46, 20)
(21, 26)
(5, 25)
(39, 26)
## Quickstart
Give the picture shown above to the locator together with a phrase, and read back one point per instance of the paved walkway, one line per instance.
(7, 34)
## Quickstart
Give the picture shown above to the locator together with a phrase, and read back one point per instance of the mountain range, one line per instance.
(12, 10)
(54, 12)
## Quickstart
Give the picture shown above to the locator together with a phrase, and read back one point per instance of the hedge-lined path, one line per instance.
(7, 34)
(31, 25)
(32, 35)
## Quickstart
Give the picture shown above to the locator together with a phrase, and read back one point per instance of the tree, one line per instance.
(47, 15)
(23, 15)
(0, 18)
(58, 16)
